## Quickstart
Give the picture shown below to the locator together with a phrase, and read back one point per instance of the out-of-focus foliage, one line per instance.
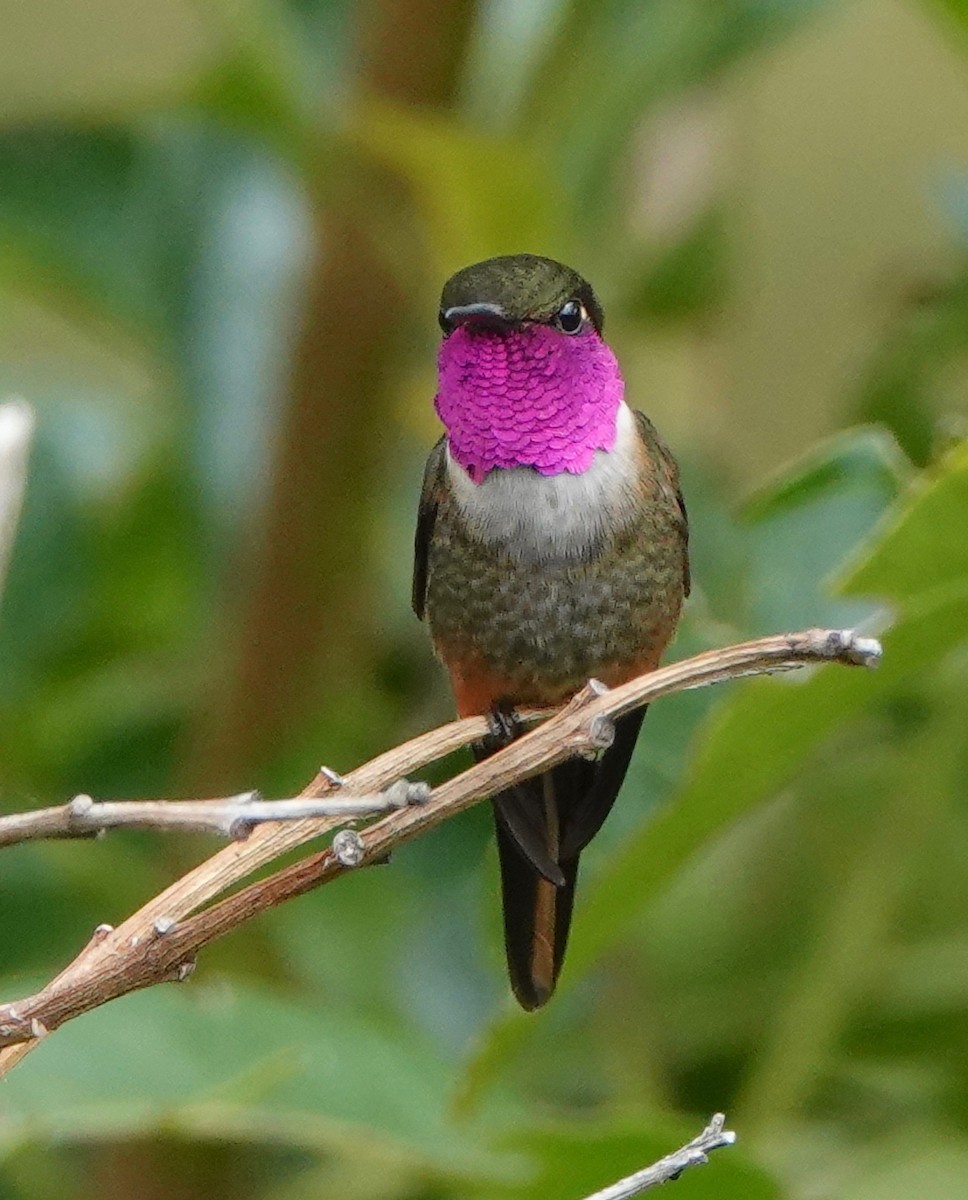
(222, 230)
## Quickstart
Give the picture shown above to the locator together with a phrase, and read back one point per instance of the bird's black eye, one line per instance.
(571, 317)
(445, 325)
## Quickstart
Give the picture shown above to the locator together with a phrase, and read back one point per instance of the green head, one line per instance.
(519, 288)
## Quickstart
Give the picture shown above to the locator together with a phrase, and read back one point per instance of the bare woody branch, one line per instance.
(232, 816)
(159, 942)
(692, 1154)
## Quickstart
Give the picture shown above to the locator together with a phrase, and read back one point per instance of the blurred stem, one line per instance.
(16, 431)
(414, 50)
(308, 627)
(850, 943)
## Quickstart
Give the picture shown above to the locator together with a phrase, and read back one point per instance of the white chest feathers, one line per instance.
(563, 516)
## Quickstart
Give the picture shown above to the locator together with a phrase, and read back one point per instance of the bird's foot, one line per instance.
(504, 725)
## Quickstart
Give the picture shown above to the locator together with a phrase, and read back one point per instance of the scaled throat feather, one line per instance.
(532, 397)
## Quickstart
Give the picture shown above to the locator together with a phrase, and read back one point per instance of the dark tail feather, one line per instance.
(537, 916)
(543, 825)
(591, 789)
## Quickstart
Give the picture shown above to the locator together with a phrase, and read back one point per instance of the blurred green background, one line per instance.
(223, 227)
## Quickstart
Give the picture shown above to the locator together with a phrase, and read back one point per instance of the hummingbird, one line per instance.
(551, 547)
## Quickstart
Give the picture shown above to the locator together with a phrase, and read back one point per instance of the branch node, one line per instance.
(864, 651)
(397, 795)
(348, 848)
(333, 778)
(404, 793)
(419, 792)
(79, 808)
(716, 1132)
(163, 925)
(600, 733)
(180, 973)
(847, 646)
(100, 933)
(594, 689)
(38, 1029)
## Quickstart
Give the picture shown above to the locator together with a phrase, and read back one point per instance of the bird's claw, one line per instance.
(504, 725)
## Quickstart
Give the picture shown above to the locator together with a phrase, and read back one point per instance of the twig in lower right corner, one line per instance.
(671, 1167)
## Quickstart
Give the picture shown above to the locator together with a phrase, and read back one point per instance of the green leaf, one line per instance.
(924, 543)
(844, 947)
(866, 455)
(313, 1078)
(799, 528)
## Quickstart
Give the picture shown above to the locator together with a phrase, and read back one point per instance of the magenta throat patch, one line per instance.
(534, 397)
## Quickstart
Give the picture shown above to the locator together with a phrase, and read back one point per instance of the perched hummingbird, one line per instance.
(551, 548)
